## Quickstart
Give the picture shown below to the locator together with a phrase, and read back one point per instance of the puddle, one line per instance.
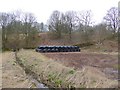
(31, 75)
(39, 85)
(112, 73)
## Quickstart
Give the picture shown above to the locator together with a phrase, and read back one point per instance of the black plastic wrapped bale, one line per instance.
(57, 49)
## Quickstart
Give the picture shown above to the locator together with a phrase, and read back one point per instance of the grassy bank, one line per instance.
(13, 76)
(54, 74)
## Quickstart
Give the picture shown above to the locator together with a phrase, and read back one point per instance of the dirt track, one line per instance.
(107, 63)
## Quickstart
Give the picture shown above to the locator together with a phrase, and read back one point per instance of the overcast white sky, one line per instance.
(42, 9)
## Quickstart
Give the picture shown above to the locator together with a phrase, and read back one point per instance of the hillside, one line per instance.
(94, 67)
(105, 46)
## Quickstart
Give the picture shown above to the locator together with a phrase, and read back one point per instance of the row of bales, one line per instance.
(57, 49)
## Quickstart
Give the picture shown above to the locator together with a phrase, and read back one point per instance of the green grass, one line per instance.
(71, 72)
(116, 66)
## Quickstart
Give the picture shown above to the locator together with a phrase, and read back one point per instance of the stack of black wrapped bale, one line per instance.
(58, 49)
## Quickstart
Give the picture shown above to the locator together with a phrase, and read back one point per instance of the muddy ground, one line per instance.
(106, 62)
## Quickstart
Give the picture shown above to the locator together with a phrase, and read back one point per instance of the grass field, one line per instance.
(58, 69)
(13, 76)
(105, 62)
(56, 74)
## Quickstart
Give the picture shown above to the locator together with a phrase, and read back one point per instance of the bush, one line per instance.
(85, 44)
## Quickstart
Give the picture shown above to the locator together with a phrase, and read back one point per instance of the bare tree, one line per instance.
(28, 22)
(16, 30)
(5, 20)
(100, 33)
(118, 24)
(42, 27)
(111, 18)
(85, 18)
(54, 24)
(70, 22)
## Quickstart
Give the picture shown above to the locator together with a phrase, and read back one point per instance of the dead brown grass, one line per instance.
(55, 74)
(0, 70)
(13, 76)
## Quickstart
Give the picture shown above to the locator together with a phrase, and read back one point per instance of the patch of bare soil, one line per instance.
(105, 62)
